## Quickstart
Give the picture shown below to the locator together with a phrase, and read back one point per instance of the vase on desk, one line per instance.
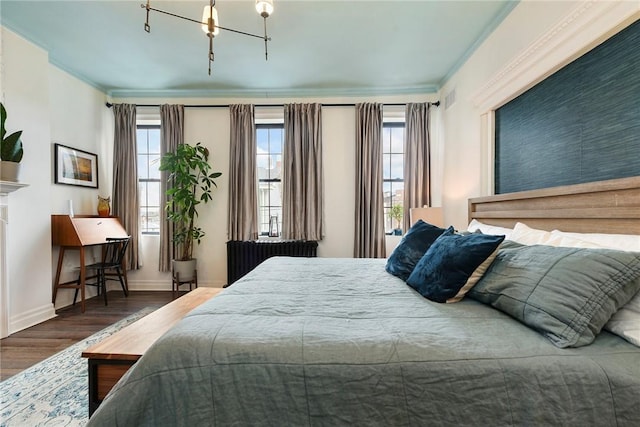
(104, 209)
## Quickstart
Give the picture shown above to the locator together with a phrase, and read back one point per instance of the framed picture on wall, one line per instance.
(75, 167)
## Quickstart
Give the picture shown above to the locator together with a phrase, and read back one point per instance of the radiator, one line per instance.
(242, 257)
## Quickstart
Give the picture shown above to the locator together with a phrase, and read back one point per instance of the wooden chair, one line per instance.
(113, 255)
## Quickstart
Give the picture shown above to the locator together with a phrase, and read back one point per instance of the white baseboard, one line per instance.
(154, 285)
(31, 317)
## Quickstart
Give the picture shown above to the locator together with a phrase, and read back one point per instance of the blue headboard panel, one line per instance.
(581, 124)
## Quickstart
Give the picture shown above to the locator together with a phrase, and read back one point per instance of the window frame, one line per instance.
(262, 234)
(391, 124)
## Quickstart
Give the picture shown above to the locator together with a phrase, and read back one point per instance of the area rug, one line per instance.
(55, 391)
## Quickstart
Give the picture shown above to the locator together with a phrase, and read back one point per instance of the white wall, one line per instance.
(49, 106)
(78, 119)
(25, 96)
(534, 40)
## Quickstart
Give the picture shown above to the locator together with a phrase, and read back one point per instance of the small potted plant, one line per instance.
(396, 213)
(192, 183)
(10, 150)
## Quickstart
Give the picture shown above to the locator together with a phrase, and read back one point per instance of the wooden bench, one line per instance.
(112, 357)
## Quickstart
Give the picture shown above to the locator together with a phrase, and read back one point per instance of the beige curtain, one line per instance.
(369, 233)
(302, 183)
(171, 134)
(243, 177)
(417, 185)
(125, 178)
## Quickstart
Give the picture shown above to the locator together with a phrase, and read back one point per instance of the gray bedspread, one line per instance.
(330, 342)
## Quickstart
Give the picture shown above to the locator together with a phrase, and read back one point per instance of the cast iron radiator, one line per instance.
(242, 257)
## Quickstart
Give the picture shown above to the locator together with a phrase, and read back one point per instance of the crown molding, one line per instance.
(271, 93)
(586, 26)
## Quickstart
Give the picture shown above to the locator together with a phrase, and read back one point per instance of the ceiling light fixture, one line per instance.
(210, 23)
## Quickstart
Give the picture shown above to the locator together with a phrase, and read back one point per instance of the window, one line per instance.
(269, 140)
(393, 175)
(148, 139)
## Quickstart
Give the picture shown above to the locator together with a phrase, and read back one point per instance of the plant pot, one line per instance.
(184, 271)
(9, 171)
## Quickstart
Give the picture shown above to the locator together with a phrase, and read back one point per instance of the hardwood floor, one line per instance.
(32, 345)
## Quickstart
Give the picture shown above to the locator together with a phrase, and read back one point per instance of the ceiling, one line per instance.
(318, 48)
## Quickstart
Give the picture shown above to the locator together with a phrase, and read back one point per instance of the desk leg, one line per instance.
(56, 282)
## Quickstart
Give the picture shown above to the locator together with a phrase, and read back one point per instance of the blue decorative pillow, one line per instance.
(449, 263)
(413, 245)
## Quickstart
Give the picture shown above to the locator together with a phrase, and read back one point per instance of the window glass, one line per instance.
(269, 140)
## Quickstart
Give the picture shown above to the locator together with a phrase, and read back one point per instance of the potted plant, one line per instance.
(10, 150)
(191, 184)
(396, 213)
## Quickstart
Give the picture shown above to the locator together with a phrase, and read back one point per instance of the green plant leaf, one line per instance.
(11, 149)
(3, 119)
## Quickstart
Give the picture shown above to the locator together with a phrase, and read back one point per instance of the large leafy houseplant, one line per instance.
(191, 183)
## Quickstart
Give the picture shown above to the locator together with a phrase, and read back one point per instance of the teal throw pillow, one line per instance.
(413, 245)
(449, 263)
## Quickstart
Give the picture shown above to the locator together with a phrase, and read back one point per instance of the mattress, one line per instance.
(321, 341)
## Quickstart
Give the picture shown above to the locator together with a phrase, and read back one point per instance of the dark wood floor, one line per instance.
(30, 346)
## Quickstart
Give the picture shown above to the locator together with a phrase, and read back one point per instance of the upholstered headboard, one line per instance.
(611, 206)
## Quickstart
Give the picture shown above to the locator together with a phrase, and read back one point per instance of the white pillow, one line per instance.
(626, 321)
(526, 235)
(621, 242)
(488, 229)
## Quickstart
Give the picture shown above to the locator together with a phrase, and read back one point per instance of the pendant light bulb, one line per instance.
(210, 20)
(264, 7)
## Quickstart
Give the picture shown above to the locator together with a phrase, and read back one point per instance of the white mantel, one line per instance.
(6, 187)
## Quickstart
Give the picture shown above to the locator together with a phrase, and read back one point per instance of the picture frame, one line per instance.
(75, 167)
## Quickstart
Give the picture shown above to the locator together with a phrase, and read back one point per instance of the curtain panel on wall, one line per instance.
(243, 177)
(369, 221)
(125, 178)
(302, 183)
(417, 162)
(171, 135)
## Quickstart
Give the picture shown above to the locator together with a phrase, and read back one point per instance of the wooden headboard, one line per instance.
(611, 206)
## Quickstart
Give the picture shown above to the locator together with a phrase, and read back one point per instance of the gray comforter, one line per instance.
(328, 342)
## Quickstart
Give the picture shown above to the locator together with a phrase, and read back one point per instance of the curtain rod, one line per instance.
(109, 105)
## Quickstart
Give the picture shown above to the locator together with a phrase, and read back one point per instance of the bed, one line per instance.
(342, 342)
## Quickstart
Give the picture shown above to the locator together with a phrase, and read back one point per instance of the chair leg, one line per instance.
(75, 295)
(103, 284)
(122, 283)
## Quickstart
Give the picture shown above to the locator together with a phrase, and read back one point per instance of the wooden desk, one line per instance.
(79, 232)
(112, 357)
